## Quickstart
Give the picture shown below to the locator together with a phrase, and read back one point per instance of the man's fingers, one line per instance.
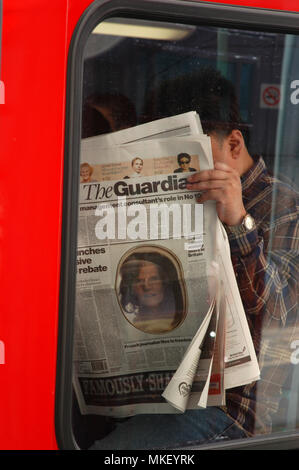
(206, 175)
(206, 185)
(211, 195)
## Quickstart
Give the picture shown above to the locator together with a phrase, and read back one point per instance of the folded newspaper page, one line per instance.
(216, 393)
(183, 383)
(202, 368)
(145, 292)
(174, 126)
(241, 366)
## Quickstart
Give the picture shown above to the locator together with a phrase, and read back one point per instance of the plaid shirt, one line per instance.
(266, 261)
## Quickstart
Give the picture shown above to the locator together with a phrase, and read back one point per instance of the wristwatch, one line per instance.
(248, 222)
(246, 225)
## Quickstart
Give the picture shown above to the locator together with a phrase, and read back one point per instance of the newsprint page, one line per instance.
(160, 325)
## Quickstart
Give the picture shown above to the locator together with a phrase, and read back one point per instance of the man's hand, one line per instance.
(222, 185)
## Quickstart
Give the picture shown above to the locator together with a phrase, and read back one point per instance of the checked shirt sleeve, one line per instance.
(266, 263)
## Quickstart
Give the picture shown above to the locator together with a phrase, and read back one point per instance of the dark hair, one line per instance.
(205, 91)
(183, 155)
(122, 110)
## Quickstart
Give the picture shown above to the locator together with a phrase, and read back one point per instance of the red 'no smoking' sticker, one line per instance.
(271, 95)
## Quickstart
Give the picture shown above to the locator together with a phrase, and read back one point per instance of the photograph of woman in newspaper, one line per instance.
(150, 289)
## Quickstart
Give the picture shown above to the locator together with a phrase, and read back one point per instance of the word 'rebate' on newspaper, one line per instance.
(148, 300)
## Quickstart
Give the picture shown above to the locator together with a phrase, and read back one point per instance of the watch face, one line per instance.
(248, 222)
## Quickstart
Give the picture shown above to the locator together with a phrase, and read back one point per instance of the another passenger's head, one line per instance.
(107, 112)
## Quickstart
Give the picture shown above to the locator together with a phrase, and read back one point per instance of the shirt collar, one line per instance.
(254, 173)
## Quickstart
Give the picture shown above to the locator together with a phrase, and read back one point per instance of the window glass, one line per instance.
(133, 296)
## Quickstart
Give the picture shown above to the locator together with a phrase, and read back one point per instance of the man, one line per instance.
(261, 217)
(264, 243)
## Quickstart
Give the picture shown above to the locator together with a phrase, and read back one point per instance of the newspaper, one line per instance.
(125, 363)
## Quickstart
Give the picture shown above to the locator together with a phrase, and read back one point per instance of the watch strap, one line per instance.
(247, 225)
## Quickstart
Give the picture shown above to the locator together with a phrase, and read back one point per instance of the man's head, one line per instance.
(215, 100)
(205, 91)
(231, 149)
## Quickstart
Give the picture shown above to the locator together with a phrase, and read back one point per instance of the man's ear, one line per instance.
(236, 143)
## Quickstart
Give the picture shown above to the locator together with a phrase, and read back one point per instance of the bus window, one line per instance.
(244, 85)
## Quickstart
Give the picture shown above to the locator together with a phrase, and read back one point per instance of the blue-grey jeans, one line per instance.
(170, 431)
